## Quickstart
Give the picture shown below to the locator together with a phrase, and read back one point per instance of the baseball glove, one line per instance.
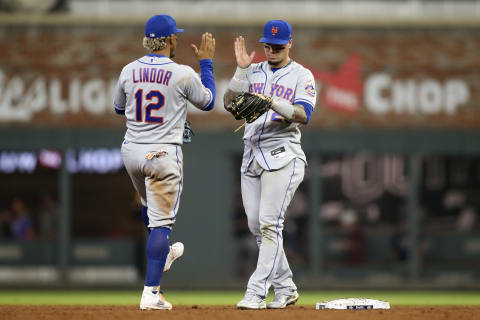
(249, 106)
(187, 132)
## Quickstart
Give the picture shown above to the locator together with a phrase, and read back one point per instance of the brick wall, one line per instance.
(366, 77)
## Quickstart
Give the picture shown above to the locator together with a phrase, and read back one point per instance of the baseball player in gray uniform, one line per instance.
(273, 162)
(152, 92)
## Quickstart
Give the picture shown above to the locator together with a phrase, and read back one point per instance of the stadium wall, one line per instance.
(409, 90)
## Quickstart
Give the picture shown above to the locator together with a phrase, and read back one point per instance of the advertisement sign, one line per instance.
(379, 78)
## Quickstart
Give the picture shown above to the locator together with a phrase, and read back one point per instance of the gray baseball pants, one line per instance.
(156, 173)
(266, 196)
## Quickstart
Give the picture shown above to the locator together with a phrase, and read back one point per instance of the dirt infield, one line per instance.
(230, 313)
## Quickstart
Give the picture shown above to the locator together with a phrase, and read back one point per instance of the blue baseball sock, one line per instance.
(145, 219)
(157, 251)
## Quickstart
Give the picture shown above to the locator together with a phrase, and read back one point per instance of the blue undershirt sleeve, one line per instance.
(208, 80)
(308, 109)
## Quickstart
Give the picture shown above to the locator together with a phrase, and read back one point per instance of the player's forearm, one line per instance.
(208, 80)
(299, 114)
(292, 113)
(236, 85)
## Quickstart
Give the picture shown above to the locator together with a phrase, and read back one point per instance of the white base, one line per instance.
(353, 304)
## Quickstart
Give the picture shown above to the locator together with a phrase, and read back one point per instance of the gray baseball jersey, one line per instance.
(271, 139)
(153, 91)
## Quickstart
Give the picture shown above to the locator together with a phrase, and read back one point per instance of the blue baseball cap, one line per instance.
(161, 25)
(276, 32)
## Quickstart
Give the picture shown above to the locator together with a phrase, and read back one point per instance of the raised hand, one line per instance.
(207, 47)
(243, 58)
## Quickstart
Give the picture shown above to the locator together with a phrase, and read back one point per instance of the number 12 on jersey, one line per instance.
(157, 101)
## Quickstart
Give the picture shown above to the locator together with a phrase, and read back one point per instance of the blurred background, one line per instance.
(391, 195)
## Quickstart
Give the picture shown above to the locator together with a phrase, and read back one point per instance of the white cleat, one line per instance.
(154, 301)
(281, 301)
(252, 302)
(176, 251)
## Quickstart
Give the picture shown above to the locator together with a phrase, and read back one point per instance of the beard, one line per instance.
(273, 63)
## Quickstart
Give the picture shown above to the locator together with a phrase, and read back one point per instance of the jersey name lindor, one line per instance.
(152, 75)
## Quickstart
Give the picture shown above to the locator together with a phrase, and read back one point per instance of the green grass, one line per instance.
(308, 298)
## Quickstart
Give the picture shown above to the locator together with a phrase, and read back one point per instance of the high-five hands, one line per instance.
(207, 47)
(243, 58)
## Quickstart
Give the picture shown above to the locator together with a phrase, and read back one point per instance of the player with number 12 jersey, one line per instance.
(153, 92)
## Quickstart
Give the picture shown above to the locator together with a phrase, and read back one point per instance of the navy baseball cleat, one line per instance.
(281, 301)
(176, 251)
